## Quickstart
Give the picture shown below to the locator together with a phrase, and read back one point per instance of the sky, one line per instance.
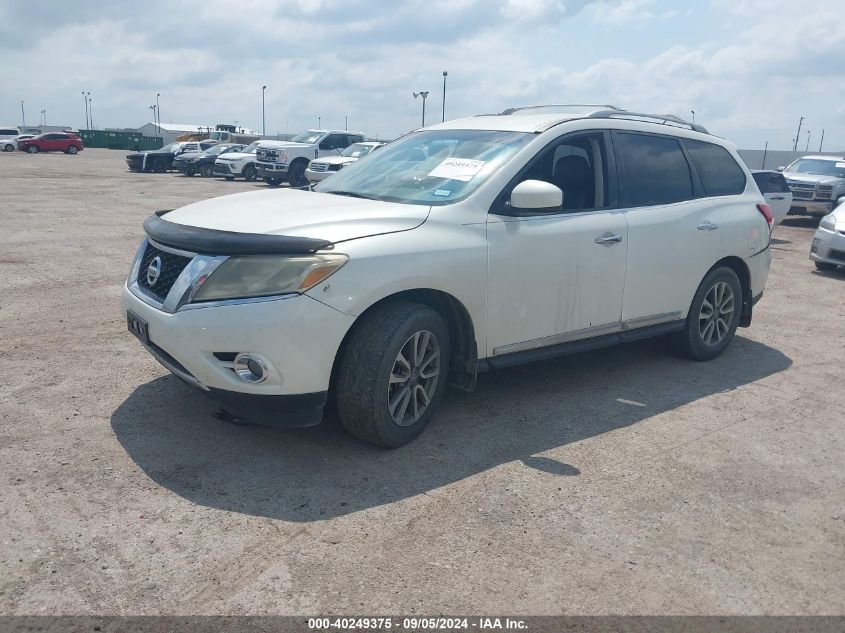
(748, 68)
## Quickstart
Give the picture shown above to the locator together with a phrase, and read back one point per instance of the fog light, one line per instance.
(250, 368)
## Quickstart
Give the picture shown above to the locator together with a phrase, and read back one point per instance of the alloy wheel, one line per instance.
(413, 378)
(716, 314)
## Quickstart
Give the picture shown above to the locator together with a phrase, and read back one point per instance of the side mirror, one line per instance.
(536, 197)
(781, 168)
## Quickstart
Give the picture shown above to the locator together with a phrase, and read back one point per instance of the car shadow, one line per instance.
(171, 432)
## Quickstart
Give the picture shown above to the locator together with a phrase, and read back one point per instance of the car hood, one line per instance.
(301, 214)
(280, 144)
(812, 179)
(335, 160)
(235, 156)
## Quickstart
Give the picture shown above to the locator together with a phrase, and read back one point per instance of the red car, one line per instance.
(66, 142)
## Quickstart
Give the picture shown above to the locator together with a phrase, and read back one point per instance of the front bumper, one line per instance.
(828, 247)
(317, 176)
(272, 170)
(811, 207)
(180, 166)
(296, 336)
(225, 169)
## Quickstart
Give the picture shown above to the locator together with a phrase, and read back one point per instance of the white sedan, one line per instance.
(828, 249)
(776, 191)
(321, 168)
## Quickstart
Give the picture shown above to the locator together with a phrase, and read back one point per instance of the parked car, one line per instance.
(776, 191)
(241, 138)
(321, 168)
(817, 184)
(23, 137)
(279, 161)
(161, 160)
(828, 248)
(192, 163)
(66, 142)
(471, 245)
(238, 164)
(8, 136)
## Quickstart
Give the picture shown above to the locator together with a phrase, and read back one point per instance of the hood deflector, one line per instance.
(213, 242)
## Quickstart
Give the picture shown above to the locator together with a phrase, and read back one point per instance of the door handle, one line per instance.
(778, 197)
(707, 225)
(608, 239)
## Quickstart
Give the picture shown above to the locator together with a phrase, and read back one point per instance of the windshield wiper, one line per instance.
(350, 194)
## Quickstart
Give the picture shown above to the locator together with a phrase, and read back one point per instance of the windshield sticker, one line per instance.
(462, 169)
(442, 192)
(840, 165)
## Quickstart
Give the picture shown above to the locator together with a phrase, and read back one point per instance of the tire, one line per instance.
(8, 147)
(207, 171)
(825, 266)
(249, 173)
(189, 171)
(370, 373)
(273, 182)
(230, 178)
(32, 149)
(73, 149)
(296, 174)
(710, 327)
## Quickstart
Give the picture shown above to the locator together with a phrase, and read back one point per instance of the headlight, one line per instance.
(828, 222)
(267, 275)
(283, 156)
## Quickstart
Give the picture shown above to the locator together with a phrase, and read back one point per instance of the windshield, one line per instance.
(215, 150)
(169, 147)
(357, 150)
(434, 167)
(818, 167)
(250, 149)
(309, 137)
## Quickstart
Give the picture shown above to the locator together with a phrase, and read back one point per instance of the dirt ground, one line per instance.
(623, 481)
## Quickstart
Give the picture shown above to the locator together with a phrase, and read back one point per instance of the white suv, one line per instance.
(467, 246)
(287, 160)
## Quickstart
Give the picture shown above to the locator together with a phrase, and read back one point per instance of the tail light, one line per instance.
(766, 211)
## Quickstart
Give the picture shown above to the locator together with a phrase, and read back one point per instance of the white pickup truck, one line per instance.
(278, 161)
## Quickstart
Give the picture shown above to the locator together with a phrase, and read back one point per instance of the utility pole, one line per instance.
(821, 142)
(765, 151)
(424, 95)
(346, 122)
(23, 115)
(91, 110)
(263, 119)
(44, 117)
(158, 113)
(797, 135)
(444, 95)
(90, 113)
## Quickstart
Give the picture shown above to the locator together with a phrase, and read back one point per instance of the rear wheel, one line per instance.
(296, 174)
(9, 147)
(825, 266)
(392, 374)
(158, 166)
(249, 173)
(207, 171)
(32, 149)
(713, 316)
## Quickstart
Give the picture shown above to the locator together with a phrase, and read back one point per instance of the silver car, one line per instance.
(828, 249)
(817, 184)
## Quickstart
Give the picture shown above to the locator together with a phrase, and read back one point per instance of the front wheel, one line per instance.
(825, 266)
(32, 149)
(73, 149)
(8, 147)
(273, 182)
(392, 373)
(713, 316)
(249, 173)
(296, 174)
(207, 171)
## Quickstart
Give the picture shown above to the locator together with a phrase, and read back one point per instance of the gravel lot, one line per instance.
(622, 481)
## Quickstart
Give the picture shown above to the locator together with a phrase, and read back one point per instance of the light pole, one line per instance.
(318, 123)
(154, 108)
(346, 122)
(821, 142)
(693, 115)
(444, 94)
(91, 110)
(263, 121)
(90, 113)
(807, 149)
(158, 113)
(424, 95)
(44, 117)
(86, 108)
(797, 135)
(23, 115)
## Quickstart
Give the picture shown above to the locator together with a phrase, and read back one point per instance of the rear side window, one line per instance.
(719, 173)
(9, 132)
(654, 169)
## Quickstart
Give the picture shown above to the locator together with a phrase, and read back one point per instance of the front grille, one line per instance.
(270, 155)
(319, 166)
(220, 168)
(802, 195)
(171, 267)
(835, 254)
(801, 190)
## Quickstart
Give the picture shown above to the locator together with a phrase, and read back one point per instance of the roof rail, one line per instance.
(600, 107)
(635, 116)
